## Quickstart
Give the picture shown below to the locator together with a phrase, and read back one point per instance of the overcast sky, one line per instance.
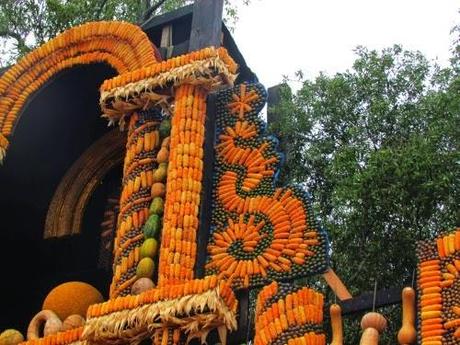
(278, 37)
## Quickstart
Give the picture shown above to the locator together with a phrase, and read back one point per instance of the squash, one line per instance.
(157, 206)
(407, 334)
(158, 189)
(11, 337)
(149, 248)
(165, 128)
(374, 320)
(141, 285)
(152, 227)
(336, 324)
(163, 155)
(145, 268)
(370, 336)
(73, 321)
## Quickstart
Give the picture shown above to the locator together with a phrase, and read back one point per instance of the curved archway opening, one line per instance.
(59, 123)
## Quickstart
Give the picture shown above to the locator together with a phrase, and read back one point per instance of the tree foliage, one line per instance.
(378, 148)
(25, 24)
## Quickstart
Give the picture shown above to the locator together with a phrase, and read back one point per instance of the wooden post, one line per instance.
(365, 301)
(206, 24)
(274, 97)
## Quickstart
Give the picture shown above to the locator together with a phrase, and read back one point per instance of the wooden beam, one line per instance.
(364, 302)
(168, 18)
(206, 24)
(273, 99)
(336, 284)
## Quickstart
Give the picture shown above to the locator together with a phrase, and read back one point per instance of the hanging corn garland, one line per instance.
(123, 46)
(438, 290)
(289, 314)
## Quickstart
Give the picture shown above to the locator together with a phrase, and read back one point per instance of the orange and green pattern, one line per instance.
(438, 287)
(259, 233)
(289, 314)
(140, 160)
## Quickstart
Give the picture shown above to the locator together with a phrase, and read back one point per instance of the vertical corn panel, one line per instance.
(185, 172)
(141, 148)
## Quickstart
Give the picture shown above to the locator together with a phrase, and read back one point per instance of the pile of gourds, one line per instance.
(259, 233)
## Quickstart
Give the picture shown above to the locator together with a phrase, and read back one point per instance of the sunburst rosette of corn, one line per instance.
(438, 287)
(289, 314)
(194, 308)
(151, 86)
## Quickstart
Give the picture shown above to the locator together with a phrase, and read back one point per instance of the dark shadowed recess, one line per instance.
(57, 125)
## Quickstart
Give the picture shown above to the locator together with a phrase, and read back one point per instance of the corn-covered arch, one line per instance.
(122, 45)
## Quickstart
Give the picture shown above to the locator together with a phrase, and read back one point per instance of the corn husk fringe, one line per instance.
(211, 73)
(195, 315)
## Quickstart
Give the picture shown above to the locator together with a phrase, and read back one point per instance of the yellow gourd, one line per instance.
(336, 324)
(407, 334)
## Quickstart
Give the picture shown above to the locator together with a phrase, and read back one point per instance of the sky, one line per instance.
(279, 37)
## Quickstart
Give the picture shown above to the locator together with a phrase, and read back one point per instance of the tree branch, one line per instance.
(148, 13)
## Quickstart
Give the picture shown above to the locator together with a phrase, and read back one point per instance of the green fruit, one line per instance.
(165, 128)
(157, 206)
(145, 268)
(152, 227)
(149, 248)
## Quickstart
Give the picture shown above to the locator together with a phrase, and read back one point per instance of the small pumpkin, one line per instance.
(73, 321)
(374, 320)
